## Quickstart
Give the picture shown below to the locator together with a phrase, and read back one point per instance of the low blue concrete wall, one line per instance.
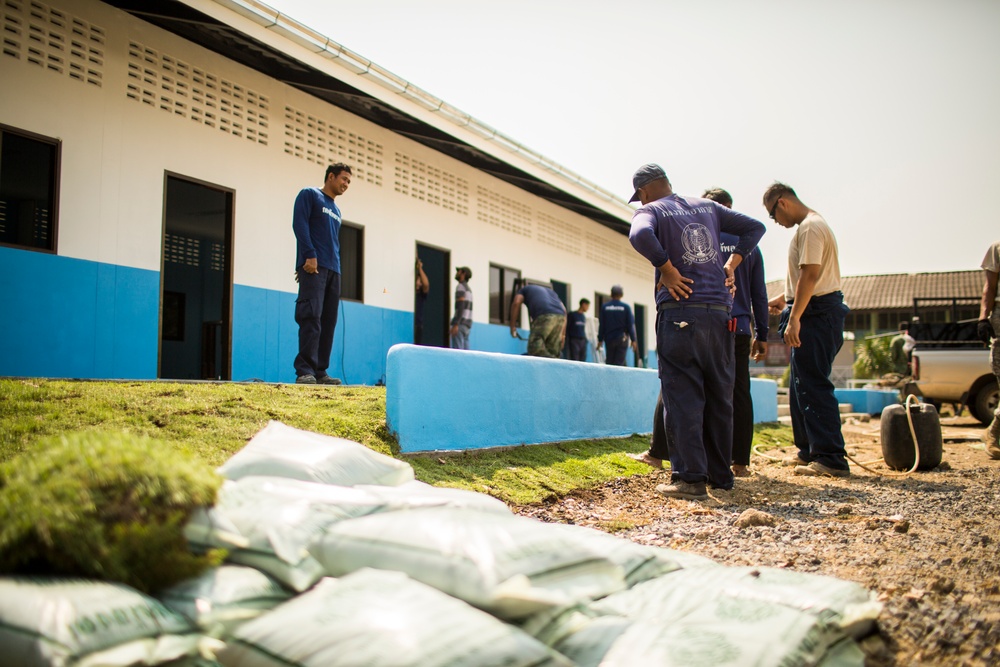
(452, 399)
(869, 401)
(70, 318)
(765, 400)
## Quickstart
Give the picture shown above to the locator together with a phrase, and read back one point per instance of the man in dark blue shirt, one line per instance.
(694, 335)
(576, 332)
(316, 222)
(617, 328)
(548, 319)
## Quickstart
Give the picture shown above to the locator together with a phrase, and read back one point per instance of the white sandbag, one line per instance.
(412, 495)
(639, 562)
(382, 618)
(224, 597)
(282, 451)
(727, 632)
(62, 622)
(846, 604)
(509, 565)
(269, 523)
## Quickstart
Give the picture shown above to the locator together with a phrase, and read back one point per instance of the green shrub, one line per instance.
(106, 506)
(872, 358)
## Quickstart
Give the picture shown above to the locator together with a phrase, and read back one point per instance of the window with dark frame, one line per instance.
(502, 280)
(352, 253)
(29, 168)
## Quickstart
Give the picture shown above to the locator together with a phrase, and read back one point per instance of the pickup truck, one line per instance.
(950, 365)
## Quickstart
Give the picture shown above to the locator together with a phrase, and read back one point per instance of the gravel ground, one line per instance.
(926, 543)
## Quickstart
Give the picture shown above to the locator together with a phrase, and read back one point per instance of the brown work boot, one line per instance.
(683, 490)
(740, 470)
(817, 469)
(990, 437)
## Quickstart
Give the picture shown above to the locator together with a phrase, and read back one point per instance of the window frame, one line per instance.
(360, 273)
(56, 144)
(505, 296)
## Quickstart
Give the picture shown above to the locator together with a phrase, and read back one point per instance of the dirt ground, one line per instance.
(926, 543)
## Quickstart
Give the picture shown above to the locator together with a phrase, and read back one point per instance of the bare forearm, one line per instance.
(989, 295)
(804, 290)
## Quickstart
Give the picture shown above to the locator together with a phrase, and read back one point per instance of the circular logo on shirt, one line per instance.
(697, 241)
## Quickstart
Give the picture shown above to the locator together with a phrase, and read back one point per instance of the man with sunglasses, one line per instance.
(812, 323)
(694, 327)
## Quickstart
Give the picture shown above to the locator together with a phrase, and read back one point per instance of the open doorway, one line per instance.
(196, 281)
(436, 307)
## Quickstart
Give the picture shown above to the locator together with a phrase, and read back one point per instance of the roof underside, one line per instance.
(196, 27)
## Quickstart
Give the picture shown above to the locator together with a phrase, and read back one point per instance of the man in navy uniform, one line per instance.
(694, 331)
(617, 328)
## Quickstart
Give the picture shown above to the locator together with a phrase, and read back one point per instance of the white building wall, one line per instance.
(116, 149)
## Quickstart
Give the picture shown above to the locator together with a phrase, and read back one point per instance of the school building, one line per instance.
(150, 154)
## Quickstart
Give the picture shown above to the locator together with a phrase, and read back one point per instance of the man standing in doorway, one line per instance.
(576, 332)
(812, 323)
(988, 328)
(694, 331)
(548, 319)
(461, 323)
(316, 223)
(617, 328)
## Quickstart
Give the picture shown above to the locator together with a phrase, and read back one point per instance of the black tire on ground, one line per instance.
(985, 403)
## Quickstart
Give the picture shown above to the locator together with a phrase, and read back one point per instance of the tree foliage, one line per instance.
(872, 358)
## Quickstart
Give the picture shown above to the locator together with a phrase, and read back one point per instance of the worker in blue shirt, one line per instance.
(316, 223)
(576, 332)
(694, 333)
(617, 328)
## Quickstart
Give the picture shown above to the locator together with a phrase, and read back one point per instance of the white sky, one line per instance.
(882, 114)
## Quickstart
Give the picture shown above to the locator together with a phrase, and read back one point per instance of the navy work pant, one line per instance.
(815, 413)
(577, 348)
(616, 350)
(742, 403)
(694, 348)
(316, 314)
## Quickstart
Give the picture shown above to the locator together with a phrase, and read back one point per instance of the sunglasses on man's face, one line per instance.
(774, 208)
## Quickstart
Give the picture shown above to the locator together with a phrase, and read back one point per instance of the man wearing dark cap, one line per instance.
(617, 328)
(694, 329)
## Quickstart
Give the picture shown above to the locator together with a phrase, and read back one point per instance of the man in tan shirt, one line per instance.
(812, 322)
(988, 328)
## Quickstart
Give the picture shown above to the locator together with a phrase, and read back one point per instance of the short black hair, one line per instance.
(584, 301)
(719, 196)
(335, 169)
(778, 189)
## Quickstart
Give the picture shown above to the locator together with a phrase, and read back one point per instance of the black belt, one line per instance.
(706, 306)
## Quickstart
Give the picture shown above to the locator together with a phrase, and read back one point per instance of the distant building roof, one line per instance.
(897, 290)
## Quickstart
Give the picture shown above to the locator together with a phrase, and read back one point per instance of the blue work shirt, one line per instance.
(685, 230)
(316, 223)
(541, 301)
(751, 292)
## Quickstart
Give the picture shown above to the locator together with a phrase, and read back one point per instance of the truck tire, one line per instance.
(985, 402)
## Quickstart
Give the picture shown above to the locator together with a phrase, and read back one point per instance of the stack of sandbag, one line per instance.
(221, 599)
(282, 451)
(374, 617)
(62, 622)
(508, 565)
(391, 571)
(726, 615)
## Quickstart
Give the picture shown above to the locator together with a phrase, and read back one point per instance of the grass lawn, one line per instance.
(213, 421)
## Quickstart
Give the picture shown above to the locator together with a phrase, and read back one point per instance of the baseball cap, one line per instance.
(647, 173)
